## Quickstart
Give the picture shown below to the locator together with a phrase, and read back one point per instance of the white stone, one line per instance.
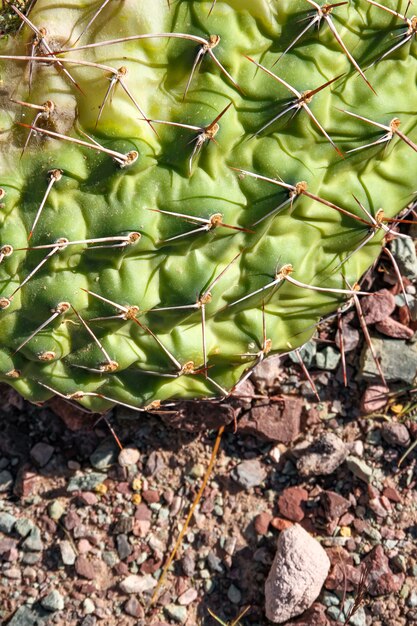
(297, 575)
(138, 584)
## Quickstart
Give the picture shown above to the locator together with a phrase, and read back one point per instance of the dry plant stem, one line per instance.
(189, 516)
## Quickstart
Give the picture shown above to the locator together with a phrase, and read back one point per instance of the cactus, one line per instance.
(188, 186)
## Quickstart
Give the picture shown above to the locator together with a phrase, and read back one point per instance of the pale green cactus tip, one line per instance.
(189, 186)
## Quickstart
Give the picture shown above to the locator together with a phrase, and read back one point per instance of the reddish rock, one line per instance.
(280, 524)
(374, 399)
(323, 456)
(392, 328)
(143, 512)
(86, 568)
(378, 306)
(343, 573)
(315, 616)
(73, 418)
(395, 434)
(150, 496)
(134, 608)
(392, 494)
(291, 501)
(261, 523)
(334, 504)
(381, 580)
(279, 421)
(27, 483)
(87, 497)
(71, 520)
(150, 566)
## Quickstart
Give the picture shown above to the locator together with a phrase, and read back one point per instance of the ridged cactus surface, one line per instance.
(181, 185)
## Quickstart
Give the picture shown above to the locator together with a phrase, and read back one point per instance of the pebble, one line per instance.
(33, 541)
(41, 453)
(381, 579)
(124, 548)
(188, 564)
(248, 474)
(357, 619)
(188, 597)
(128, 456)
(261, 523)
(88, 606)
(266, 374)
(395, 434)
(297, 575)
(374, 398)
(23, 526)
(334, 504)
(54, 601)
(6, 481)
(104, 455)
(7, 521)
(234, 594)
(378, 306)
(328, 358)
(56, 510)
(412, 599)
(175, 612)
(29, 616)
(291, 503)
(323, 456)
(85, 568)
(359, 468)
(134, 608)
(137, 584)
(85, 482)
(404, 252)
(390, 353)
(279, 421)
(68, 554)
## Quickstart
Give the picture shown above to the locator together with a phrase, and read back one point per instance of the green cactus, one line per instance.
(182, 185)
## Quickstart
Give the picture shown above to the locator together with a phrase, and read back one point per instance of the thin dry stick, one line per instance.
(189, 516)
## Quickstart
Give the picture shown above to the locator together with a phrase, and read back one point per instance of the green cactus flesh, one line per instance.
(151, 261)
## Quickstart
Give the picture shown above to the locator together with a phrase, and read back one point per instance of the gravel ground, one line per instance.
(85, 529)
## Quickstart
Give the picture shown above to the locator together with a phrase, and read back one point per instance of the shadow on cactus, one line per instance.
(189, 186)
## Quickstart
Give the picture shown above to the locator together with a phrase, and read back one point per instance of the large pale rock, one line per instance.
(297, 575)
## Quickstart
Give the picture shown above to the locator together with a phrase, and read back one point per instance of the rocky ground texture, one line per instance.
(85, 528)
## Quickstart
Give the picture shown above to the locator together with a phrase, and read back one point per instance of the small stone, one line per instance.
(359, 468)
(393, 328)
(328, 358)
(41, 453)
(377, 306)
(85, 568)
(323, 456)
(234, 594)
(134, 608)
(7, 522)
(390, 352)
(72, 520)
(54, 601)
(265, 375)
(68, 554)
(6, 481)
(85, 482)
(412, 599)
(297, 575)
(177, 613)
(138, 584)
(104, 455)
(56, 510)
(334, 504)
(150, 496)
(84, 546)
(128, 456)
(404, 251)
(261, 523)
(23, 526)
(374, 398)
(88, 497)
(381, 580)
(291, 503)
(188, 564)
(395, 434)
(124, 548)
(248, 474)
(29, 616)
(188, 597)
(278, 421)
(33, 542)
(88, 606)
